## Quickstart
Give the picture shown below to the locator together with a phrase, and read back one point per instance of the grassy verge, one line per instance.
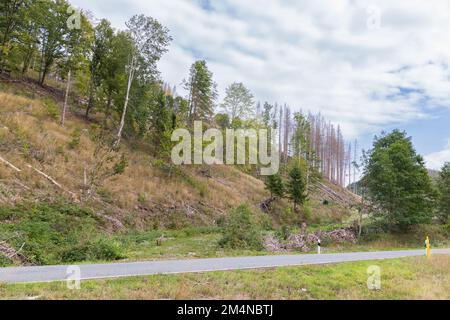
(410, 278)
(64, 233)
(187, 243)
(67, 234)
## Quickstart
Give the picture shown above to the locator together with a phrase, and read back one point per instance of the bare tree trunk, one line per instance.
(66, 98)
(280, 132)
(124, 112)
(349, 164)
(354, 166)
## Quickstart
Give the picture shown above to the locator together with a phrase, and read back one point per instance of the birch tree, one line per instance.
(150, 40)
(238, 102)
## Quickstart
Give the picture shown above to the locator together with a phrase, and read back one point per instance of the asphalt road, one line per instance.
(116, 270)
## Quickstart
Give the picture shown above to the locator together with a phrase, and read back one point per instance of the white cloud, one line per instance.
(317, 55)
(436, 160)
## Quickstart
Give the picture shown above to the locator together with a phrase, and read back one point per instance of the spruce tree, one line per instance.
(275, 185)
(297, 186)
(202, 92)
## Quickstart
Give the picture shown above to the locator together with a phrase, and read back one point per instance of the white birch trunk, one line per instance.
(64, 109)
(124, 112)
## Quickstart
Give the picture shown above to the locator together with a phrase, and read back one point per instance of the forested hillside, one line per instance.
(86, 125)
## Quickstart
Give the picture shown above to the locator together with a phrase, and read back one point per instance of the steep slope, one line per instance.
(43, 161)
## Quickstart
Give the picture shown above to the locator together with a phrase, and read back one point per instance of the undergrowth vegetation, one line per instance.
(241, 230)
(56, 233)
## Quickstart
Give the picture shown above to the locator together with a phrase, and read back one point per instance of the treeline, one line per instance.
(310, 137)
(115, 71)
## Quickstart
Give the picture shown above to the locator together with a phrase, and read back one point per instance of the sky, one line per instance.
(366, 65)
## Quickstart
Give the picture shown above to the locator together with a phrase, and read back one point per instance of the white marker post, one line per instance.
(318, 246)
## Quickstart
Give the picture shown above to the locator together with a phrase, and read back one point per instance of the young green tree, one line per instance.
(202, 92)
(27, 34)
(162, 123)
(275, 185)
(76, 48)
(398, 182)
(444, 192)
(114, 73)
(150, 40)
(101, 50)
(53, 33)
(300, 139)
(222, 120)
(267, 118)
(297, 186)
(241, 231)
(238, 102)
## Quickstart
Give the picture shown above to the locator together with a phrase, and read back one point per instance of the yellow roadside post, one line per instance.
(427, 244)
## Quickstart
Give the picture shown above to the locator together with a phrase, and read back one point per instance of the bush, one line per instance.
(240, 231)
(307, 212)
(51, 109)
(142, 198)
(76, 139)
(105, 249)
(284, 233)
(4, 261)
(290, 217)
(54, 233)
(101, 249)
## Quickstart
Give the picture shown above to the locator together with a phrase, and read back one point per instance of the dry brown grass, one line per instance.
(29, 134)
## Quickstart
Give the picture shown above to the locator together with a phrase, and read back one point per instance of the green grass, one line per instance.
(410, 278)
(68, 234)
(56, 233)
(187, 243)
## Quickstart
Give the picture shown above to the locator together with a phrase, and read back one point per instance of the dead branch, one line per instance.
(74, 196)
(10, 164)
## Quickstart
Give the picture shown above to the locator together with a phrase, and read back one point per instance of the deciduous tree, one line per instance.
(398, 182)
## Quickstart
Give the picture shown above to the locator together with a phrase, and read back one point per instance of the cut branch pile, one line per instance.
(305, 242)
(14, 255)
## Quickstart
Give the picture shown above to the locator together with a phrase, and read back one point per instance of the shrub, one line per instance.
(4, 261)
(49, 231)
(142, 198)
(51, 108)
(307, 212)
(105, 249)
(76, 139)
(289, 216)
(240, 231)
(284, 233)
(221, 221)
(101, 249)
